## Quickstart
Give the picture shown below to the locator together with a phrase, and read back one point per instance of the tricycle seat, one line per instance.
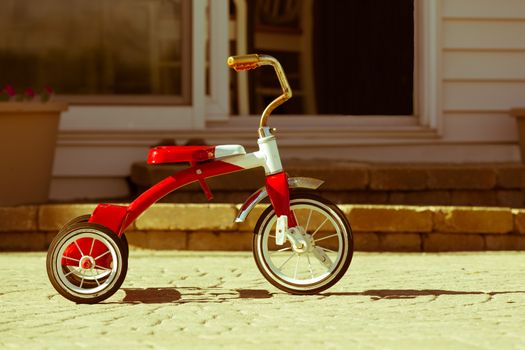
(192, 154)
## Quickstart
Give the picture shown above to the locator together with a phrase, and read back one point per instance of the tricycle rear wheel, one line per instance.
(85, 218)
(86, 263)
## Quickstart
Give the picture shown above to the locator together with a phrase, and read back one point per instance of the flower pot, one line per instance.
(28, 132)
(519, 113)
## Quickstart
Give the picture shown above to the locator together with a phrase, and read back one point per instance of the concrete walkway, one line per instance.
(219, 300)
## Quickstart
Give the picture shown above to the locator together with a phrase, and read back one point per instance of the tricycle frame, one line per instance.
(119, 218)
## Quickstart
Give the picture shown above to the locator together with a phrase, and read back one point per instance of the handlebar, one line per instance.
(244, 62)
(247, 62)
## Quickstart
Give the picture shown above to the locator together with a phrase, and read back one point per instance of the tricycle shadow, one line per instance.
(183, 295)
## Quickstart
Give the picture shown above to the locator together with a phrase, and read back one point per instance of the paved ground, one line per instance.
(210, 300)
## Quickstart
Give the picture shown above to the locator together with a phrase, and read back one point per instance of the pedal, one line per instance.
(280, 229)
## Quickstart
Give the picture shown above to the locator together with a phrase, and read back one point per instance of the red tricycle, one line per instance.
(302, 243)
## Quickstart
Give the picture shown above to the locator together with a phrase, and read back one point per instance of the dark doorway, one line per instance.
(346, 57)
(364, 56)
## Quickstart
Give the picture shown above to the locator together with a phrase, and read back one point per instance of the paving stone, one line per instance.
(511, 177)
(336, 176)
(401, 178)
(366, 241)
(461, 178)
(505, 242)
(23, 241)
(182, 217)
(474, 198)
(188, 300)
(137, 239)
(49, 236)
(446, 242)
(519, 220)
(364, 197)
(52, 217)
(167, 240)
(512, 199)
(400, 242)
(228, 241)
(251, 220)
(420, 198)
(368, 218)
(16, 219)
(473, 220)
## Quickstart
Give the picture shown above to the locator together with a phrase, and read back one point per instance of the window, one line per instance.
(98, 51)
(341, 57)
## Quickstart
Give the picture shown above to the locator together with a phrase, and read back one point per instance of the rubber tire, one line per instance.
(50, 262)
(297, 195)
(85, 218)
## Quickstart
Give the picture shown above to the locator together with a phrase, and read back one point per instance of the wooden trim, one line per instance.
(32, 107)
(198, 68)
(483, 19)
(218, 102)
(427, 85)
(126, 100)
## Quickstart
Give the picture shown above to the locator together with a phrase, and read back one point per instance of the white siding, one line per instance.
(484, 65)
(483, 60)
(486, 34)
(482, 96)
(507, 9)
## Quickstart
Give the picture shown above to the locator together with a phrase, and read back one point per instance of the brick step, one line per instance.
(376, 227)
(495, 185)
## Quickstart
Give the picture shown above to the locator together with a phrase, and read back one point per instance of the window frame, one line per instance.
(142, 99)
(426, 122)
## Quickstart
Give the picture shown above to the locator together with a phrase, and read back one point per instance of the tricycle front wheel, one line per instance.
(322, 258)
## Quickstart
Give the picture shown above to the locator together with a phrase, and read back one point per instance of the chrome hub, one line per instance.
(301, 241)
(87, 262)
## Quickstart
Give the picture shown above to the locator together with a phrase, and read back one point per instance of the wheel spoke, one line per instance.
(78, 247)
(309, 265)
(92, 245)
(70, 272)
(101, 267)
(284, 263)
(81, 282)
(308, 221)
(326, 249)
(320, 239)
(70, 258)
(296, 266)
(296, 219)
(101, 255)
(280, 250)
(317, 230)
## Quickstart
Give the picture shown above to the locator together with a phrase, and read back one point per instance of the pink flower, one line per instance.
(9, 90)
(49, 90)
(30, 93)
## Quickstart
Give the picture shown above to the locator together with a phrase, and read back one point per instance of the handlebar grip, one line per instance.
(244, 62)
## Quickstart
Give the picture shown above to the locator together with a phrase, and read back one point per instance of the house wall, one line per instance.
(481, 58)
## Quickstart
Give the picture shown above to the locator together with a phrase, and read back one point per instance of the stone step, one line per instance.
(497, 185)
(375, 227)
